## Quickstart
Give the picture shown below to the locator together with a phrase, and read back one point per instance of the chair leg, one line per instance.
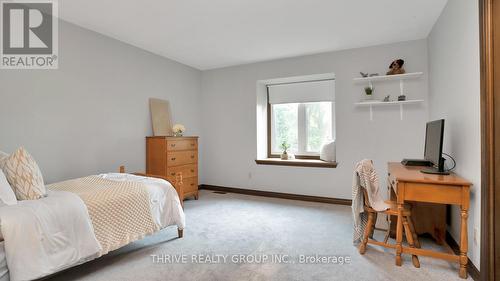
(413, 232)
(375, 215)
(409, 238)
(362, 246)
(388, 232)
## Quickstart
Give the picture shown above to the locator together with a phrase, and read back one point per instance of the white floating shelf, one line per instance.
(371, 104)
(388, 77)
(375, 103)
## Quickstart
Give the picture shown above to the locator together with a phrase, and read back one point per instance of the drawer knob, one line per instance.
(172, 145)
(192, 156)
(173, 158)
(192, 171)
(172, 174)
(192, 183)
(192, 144)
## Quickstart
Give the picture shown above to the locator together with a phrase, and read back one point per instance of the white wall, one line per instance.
(454, 88)
(229, 120)
(92, 114)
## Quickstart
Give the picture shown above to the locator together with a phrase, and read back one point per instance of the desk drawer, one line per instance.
(188, 171)
(182, 144)
(434, 193)
(177, 158)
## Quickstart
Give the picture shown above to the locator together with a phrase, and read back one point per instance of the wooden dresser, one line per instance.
(166, 156)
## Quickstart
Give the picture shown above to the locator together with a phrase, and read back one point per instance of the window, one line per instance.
(300, 114)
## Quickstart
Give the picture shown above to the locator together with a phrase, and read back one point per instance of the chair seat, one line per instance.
(393, 209)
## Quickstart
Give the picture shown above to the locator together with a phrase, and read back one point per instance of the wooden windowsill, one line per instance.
(297, 163)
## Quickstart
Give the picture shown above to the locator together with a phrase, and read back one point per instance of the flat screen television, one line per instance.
(434, 134)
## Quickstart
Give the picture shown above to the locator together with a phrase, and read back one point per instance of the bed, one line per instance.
(82, 219)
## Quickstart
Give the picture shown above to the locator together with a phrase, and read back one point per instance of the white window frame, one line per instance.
(301, 131)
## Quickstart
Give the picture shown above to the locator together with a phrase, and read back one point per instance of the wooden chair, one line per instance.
(409, 229)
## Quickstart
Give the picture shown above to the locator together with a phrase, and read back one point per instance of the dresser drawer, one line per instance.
(177, 158)
(185, 144)
(190, 185)
(188, 171)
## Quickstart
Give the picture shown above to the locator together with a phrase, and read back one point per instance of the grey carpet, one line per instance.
(233, 224)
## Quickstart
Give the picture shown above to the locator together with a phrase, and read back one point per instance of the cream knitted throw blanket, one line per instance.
(364, 176)
(120, 211)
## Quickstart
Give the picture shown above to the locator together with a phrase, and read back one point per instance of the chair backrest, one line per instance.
(365, 198)
(365, 193)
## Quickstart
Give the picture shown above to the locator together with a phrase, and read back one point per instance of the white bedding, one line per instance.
(56, 235)
(46, 235)
(165, 204)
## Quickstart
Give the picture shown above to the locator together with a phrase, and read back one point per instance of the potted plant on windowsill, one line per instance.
(285, 146)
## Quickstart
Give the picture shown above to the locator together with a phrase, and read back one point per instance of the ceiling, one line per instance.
(208, 34)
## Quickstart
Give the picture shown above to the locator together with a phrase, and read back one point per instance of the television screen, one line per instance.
(434, 141)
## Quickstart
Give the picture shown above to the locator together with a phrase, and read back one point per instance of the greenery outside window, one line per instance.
(304, 125)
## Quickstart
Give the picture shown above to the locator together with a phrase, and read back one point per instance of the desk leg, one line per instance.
(399, 234)
(463, 244)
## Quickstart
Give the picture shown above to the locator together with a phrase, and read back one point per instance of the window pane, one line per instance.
(319, 124)
(285, 118)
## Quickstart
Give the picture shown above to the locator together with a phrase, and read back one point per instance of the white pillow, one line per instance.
(7, 195)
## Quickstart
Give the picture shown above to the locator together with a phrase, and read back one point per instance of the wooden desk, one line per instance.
(410, 184)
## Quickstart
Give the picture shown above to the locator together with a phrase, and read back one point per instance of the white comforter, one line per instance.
(46, 235)
(53, 233)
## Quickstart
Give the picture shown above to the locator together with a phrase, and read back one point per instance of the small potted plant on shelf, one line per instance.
(369, 92)
(285, 146)
(178, 130)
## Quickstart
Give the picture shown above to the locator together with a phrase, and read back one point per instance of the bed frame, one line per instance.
(177, 183)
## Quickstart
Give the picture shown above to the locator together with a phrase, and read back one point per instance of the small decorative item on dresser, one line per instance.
(387, 98)
(401, 98)
(285, 146)
(178, 130)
